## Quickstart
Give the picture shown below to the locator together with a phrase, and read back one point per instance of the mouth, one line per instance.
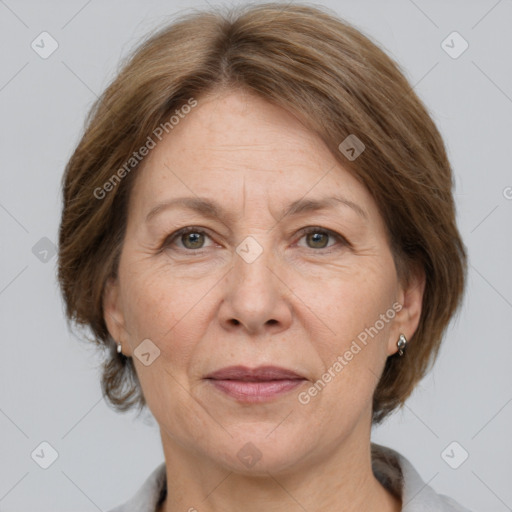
(255, 385)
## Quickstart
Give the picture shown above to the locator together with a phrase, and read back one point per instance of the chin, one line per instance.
(258, 454)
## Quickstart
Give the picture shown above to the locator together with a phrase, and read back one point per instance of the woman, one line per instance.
(259, 226)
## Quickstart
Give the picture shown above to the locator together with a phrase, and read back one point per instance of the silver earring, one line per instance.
(119, 348)
(402, 343)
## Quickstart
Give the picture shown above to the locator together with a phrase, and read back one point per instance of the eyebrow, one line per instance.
(213, 209)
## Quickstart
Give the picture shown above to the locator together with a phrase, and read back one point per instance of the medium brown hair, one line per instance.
(338, 83)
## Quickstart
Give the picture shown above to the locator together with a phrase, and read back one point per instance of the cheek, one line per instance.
(160, 309)
(154, 310)
(359, 315)
(155, 301)
(348, 303)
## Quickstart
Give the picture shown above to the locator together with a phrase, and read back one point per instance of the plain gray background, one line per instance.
(49, 379)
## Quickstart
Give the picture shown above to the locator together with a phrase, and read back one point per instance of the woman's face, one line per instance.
(248, 286)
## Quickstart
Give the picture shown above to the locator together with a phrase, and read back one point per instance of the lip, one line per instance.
(255, 384)
(262, 373)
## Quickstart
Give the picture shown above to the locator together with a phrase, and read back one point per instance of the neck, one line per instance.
(343, 480)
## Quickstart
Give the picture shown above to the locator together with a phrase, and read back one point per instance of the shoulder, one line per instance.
(148, 497)
(397, 474)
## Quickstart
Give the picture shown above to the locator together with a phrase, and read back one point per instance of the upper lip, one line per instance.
(262, 373)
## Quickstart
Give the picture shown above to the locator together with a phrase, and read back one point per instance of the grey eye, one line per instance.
(318, 239)
(192, 240)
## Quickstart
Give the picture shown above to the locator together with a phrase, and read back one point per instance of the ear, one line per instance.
(114, 316)
(409, 300)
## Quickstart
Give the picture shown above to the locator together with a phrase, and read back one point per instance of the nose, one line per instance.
(257, 296)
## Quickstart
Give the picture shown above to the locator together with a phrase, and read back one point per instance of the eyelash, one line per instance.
(303, 232)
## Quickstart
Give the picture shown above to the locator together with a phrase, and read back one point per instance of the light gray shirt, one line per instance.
(392, 469)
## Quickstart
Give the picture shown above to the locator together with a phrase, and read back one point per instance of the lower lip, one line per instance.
(256, 391)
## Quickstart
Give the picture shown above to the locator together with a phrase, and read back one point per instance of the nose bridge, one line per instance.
(255, 297)
(252, 266)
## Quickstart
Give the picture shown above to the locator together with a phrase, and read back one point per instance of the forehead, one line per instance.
(233, 143)
(237, 130)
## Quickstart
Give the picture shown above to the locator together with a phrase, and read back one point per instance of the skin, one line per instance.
(299, 305)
